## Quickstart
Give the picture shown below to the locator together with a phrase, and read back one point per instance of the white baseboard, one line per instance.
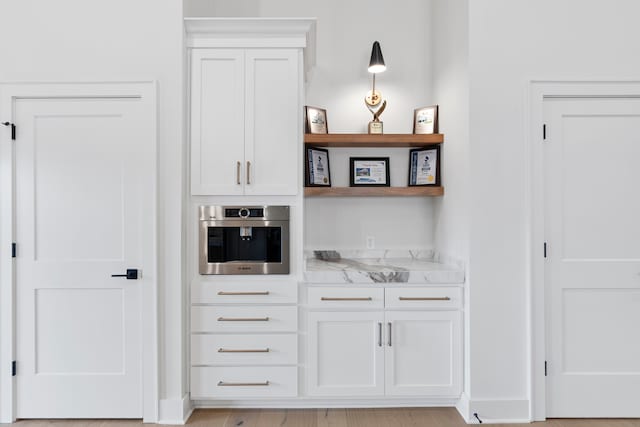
(175, 411)
(494, 411)
(306, 402)
(463, 407)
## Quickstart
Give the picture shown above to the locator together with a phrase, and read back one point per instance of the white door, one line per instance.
(84, 211)
(346, 354)
(423, 353)
(272, 124)
(217, 122)
(592, 273)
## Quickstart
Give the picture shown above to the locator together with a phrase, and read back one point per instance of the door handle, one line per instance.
(238, 174)
(248, 173)
(389, 333)
(132, 274)
(379, 334)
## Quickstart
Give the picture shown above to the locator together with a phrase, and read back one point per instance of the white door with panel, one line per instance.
(423, 353)
(245, 121)
(85, 206)
(346, 354)
(592, 271)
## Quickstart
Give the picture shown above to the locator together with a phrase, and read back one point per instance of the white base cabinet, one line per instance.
(414, 351)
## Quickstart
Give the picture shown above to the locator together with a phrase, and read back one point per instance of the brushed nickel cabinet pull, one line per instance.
(346, 299)
(389, 334)
(243, 319)
(424, 298)
(248, 172)
(225, 384)
(258, 350)
(379, 334)
(238, 174)
(243, 293)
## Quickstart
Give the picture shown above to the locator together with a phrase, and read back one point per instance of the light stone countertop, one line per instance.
(361, 267)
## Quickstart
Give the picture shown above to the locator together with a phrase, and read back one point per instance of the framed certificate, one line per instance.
(317, 168)
(315, 120)
(369, 172)
(424, 166)
(425, 120)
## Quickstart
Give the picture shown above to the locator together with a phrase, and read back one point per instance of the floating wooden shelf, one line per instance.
(367, 140)
(373, 191)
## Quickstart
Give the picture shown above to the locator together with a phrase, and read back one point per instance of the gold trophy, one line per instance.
(373, 100)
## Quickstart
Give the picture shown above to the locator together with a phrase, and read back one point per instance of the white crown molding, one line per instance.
(254, 32)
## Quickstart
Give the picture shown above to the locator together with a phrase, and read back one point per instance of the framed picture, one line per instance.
(369, 172)
(317, 172)
(425, 120)
(315, 120)
(424, 166)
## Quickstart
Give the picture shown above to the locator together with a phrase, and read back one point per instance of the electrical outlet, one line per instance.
(371, 242)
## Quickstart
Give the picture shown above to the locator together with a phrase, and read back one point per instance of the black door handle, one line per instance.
(132, 274)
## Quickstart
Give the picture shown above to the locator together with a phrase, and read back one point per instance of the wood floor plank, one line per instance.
(378, 417)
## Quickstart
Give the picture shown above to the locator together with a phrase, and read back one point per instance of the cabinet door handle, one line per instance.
(243, 293)
(424, 298)
(238, 173)
(389, 323)
(379, 334)
(248, 172)
(258, 350)
(243, 319)
(346, 299)
(226, 384)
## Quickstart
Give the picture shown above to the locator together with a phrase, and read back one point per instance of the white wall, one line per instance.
(450, 38)
(510, 44)
(75, 40)
(345, 32)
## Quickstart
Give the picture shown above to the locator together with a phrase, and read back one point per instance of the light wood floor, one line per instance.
(400, 417)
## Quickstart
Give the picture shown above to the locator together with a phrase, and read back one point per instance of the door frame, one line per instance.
(9, 92)
(538, 92)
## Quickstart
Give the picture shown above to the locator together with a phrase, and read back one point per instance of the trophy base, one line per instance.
(375, 127)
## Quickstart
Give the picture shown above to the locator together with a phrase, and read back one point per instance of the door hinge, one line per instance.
(14, 368)
(14, 250)
(545, 249)
(544, 132)
(545, 368)
(13, 130)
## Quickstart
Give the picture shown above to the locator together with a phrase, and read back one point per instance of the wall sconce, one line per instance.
(373, 99)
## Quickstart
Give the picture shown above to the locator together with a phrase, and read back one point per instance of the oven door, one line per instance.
(244, 247)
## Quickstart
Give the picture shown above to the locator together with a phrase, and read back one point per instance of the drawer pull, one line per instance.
(424, 298)
(228, 350)
(346, 299)
(243, 293)
(225, 384)
(243, 319)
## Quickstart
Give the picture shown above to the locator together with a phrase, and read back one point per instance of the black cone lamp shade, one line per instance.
(376, 64)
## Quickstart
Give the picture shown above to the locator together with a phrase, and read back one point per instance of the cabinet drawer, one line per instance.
(340, 297)
(245, 293)
(266, 349)
(245, 381)
(436, 297)
(244, 319)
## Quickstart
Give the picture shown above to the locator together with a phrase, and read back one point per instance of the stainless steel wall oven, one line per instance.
(244, 239)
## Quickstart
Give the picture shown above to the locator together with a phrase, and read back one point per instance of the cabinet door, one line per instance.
(423, 353)
(345, 354)
(273, 121)
(217, 121)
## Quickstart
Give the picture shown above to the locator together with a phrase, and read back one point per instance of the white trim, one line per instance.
(538, 90)
(254, 33)
(8, 92)
(306, 402)
(463, 407)
(175, 411)
(496, 411)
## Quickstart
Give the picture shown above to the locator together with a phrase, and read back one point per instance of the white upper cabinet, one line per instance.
(246, 104)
